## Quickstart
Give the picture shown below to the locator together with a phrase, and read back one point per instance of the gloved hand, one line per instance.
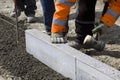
(101, 29)
(58, 38)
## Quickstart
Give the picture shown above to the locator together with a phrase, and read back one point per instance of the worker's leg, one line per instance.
(19, 4)
(109, 17)
(30, 10)
(48, 8)
(85, 19)
(60, 20)
(30, 7)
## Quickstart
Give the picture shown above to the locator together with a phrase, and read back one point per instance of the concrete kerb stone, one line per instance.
(39, 46)
(67, 60)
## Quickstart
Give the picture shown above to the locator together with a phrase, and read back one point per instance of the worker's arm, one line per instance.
(109, 18)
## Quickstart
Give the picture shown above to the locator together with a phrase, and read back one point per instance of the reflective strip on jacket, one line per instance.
(112, 13)
(61, 15)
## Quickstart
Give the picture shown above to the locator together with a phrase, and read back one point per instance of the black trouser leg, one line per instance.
(85, 18)
(30, 7)
(20, 5)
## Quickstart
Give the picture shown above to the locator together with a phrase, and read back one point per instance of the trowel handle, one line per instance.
(96, 35)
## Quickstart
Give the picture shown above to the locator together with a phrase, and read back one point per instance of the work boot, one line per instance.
(79, 38)
(58, 38)
(91, 42)
(31, 18)
(13, 13)
(76, 45)
(78, 42)
(48, 31)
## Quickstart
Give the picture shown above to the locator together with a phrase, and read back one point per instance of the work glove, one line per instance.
(101, 29)
(58, 38)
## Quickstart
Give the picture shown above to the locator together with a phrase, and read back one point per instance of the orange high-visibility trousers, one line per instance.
(112, 13)
(61, 14)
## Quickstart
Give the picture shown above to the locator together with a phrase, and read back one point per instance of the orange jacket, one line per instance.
(112, 13)
(61, 14)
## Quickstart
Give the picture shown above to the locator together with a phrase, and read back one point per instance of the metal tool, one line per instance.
(16, 13)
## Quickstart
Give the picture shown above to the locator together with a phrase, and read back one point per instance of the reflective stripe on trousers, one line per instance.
(61, 15)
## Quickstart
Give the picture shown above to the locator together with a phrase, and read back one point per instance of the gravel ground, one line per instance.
(19, 65)
(15, 62)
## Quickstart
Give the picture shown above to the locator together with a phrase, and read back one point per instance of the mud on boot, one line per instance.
(91, 42)
(58, 38)
(78, 42)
